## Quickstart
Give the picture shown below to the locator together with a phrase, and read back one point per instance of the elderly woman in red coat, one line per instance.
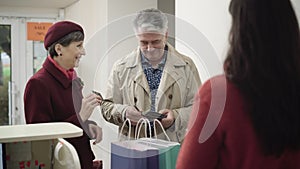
(54, 93)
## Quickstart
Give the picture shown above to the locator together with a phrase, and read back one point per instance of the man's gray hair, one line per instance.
(150, 20)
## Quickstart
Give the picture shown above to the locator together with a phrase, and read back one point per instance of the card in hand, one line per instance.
(97, 93)
(151, 115)
(101, 97)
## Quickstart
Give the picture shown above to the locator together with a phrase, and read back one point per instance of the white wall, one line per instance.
(296, 5)
(28, 12)
(211, 22)
(91, 14)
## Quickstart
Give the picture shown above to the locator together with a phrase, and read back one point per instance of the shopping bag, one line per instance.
(162, 153)
(128, 154)
(132, 155)
(168, 150)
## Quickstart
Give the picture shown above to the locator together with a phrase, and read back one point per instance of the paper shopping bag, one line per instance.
(131, 155)
(162, 153)
(168, 151)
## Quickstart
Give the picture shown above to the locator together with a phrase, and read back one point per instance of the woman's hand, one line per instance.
(87, 106)
(95, 132)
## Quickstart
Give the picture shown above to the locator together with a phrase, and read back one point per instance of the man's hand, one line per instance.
(133, 115)
(169, 120)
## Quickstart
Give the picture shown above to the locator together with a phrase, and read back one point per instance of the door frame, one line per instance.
(21, 64)
(18, 68)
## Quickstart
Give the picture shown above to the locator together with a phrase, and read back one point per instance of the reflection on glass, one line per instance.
(39, 55)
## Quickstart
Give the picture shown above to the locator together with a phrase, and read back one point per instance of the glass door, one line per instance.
(13, 66)
(22, 55)
(5, 72)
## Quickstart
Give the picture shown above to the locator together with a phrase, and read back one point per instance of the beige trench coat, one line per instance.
(128, 85)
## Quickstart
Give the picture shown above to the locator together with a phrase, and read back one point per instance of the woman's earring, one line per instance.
(60, 54)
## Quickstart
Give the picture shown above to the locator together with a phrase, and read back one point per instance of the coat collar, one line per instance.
(170, 73)
(131, 62)
(57, 74)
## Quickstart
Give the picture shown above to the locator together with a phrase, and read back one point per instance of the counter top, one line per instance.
(38, 131)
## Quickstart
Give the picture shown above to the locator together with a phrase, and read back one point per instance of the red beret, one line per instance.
(59, 30)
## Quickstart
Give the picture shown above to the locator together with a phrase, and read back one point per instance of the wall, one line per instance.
(296, 5)
(92, 14)
(209, 22)
(28, 12)
(212, 20)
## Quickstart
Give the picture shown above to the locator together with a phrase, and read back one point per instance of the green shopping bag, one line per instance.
(168, 151)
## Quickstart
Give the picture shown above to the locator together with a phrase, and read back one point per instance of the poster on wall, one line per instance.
(36, 31)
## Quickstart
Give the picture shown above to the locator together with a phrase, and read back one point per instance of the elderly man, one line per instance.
(154, 77)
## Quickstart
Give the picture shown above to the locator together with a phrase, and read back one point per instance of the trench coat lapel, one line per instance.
(134, 63)
(171, 72)
(141, 80)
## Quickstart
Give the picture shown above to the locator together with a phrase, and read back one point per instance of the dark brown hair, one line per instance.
(264, 62)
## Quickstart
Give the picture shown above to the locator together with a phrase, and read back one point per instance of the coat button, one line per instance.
(170, 96)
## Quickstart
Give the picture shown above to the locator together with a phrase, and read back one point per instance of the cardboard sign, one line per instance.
(36, 31)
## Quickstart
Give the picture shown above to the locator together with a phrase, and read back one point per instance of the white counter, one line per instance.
(39, 131)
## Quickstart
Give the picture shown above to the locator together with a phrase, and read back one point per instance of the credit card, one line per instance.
(151, 115)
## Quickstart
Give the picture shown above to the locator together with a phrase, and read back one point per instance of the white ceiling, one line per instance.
(37, 3)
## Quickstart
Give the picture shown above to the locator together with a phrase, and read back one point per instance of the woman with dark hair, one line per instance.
(54, 93)
(259, 122)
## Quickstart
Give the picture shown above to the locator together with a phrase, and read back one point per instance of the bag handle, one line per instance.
(155, 120)
(129, 130)
(138, 128)
(70, 159)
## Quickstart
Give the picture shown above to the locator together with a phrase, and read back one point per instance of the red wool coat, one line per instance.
(233, 144)
(51, 97)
